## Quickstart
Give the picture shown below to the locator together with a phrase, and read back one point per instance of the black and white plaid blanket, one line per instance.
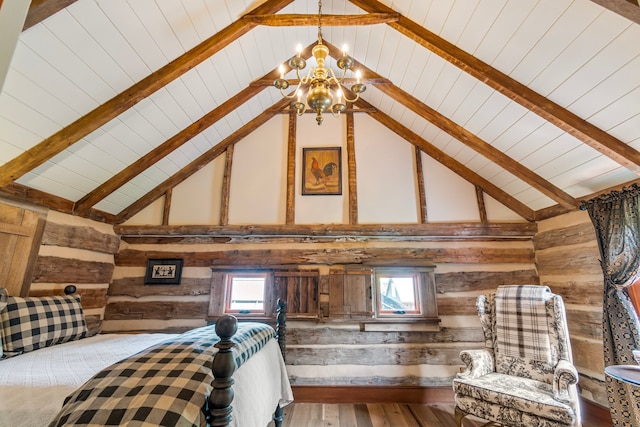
(165, 385)
(521, 322)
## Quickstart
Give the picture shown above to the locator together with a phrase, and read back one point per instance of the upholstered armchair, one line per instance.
(525, 375)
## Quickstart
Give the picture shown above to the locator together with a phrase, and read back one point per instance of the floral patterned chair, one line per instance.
(525, 375)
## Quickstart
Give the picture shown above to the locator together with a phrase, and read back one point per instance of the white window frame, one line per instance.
(424, 288)
(228, 292)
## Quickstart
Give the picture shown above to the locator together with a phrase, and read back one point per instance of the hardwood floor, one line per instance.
(371, 415)
(378, 415)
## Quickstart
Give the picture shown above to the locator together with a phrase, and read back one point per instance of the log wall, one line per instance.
(332, 352)
(80, 252)
(568, 261)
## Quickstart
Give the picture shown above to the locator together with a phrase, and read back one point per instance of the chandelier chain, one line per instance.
(319, 21)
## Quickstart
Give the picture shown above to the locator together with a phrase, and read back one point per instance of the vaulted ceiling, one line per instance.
(109, 104)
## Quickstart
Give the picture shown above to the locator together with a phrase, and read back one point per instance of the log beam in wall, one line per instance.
(332, 256)
(516, 230)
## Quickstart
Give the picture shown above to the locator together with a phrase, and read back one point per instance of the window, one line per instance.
(405, 292)
(252, 294)
(398, 294)
(245, 293)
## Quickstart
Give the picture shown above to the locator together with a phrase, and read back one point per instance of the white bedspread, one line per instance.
(33, 386)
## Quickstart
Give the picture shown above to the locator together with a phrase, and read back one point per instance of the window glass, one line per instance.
(398, 294)
(245, 293)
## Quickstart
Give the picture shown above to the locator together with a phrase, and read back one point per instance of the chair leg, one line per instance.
(459, 414)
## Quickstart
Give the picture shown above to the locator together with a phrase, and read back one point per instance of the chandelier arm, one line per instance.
(346, 98)
(297, 74)
(291, 96)
(333, 78)
(344, 74)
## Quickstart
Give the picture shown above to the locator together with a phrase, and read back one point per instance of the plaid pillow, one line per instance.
(3, 304)
(31, 323)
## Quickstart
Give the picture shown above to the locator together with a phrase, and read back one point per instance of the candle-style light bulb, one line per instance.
(281, 70)
(339, 93)
(345, 49)
(358, 76)
(298, 50)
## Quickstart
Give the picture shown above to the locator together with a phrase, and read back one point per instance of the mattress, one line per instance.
(33, 386)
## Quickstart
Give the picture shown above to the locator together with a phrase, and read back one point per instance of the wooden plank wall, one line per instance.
(80, 252)
(568, 261)
(331, 353)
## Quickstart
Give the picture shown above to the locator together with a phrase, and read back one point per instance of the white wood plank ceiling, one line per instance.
(577, 54)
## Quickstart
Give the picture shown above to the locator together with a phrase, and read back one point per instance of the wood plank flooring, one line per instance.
(381, 415)
(371, 415)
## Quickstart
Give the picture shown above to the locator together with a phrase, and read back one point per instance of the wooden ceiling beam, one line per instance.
(469, 139)
(618, 151)
(39, 10)
(199, 163)
(293, 20)
(173, 143)
(555, 210)
(627, 8)
(451, 163)
(366, 79)
(91, 121)
(54, 202)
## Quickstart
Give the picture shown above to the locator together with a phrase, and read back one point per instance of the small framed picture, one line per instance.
(322, 171)
(163, 272)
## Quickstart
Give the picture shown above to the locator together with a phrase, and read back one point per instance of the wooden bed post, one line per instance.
(223, 368)
(281, 327)
(281, 336)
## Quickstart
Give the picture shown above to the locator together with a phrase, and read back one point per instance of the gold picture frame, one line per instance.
(322, 171)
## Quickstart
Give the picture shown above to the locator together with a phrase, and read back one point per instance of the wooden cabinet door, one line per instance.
(21, 229)
(350, 294)
(299, 288)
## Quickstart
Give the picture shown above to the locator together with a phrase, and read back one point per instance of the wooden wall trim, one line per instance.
(291, 168)
(166, 211)
(226, 186)
(352, 171)
(368, 394)
(422, 192)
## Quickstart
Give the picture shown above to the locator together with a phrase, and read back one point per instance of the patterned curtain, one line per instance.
(616, 218)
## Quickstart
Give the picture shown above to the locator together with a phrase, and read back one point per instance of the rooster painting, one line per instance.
(321, 171)
(328, 170)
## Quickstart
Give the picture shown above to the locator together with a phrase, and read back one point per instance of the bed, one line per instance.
(179, 379)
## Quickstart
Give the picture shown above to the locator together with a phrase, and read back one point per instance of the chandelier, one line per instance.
(321, 85)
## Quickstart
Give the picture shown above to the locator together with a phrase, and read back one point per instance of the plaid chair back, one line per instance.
(525, 331)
